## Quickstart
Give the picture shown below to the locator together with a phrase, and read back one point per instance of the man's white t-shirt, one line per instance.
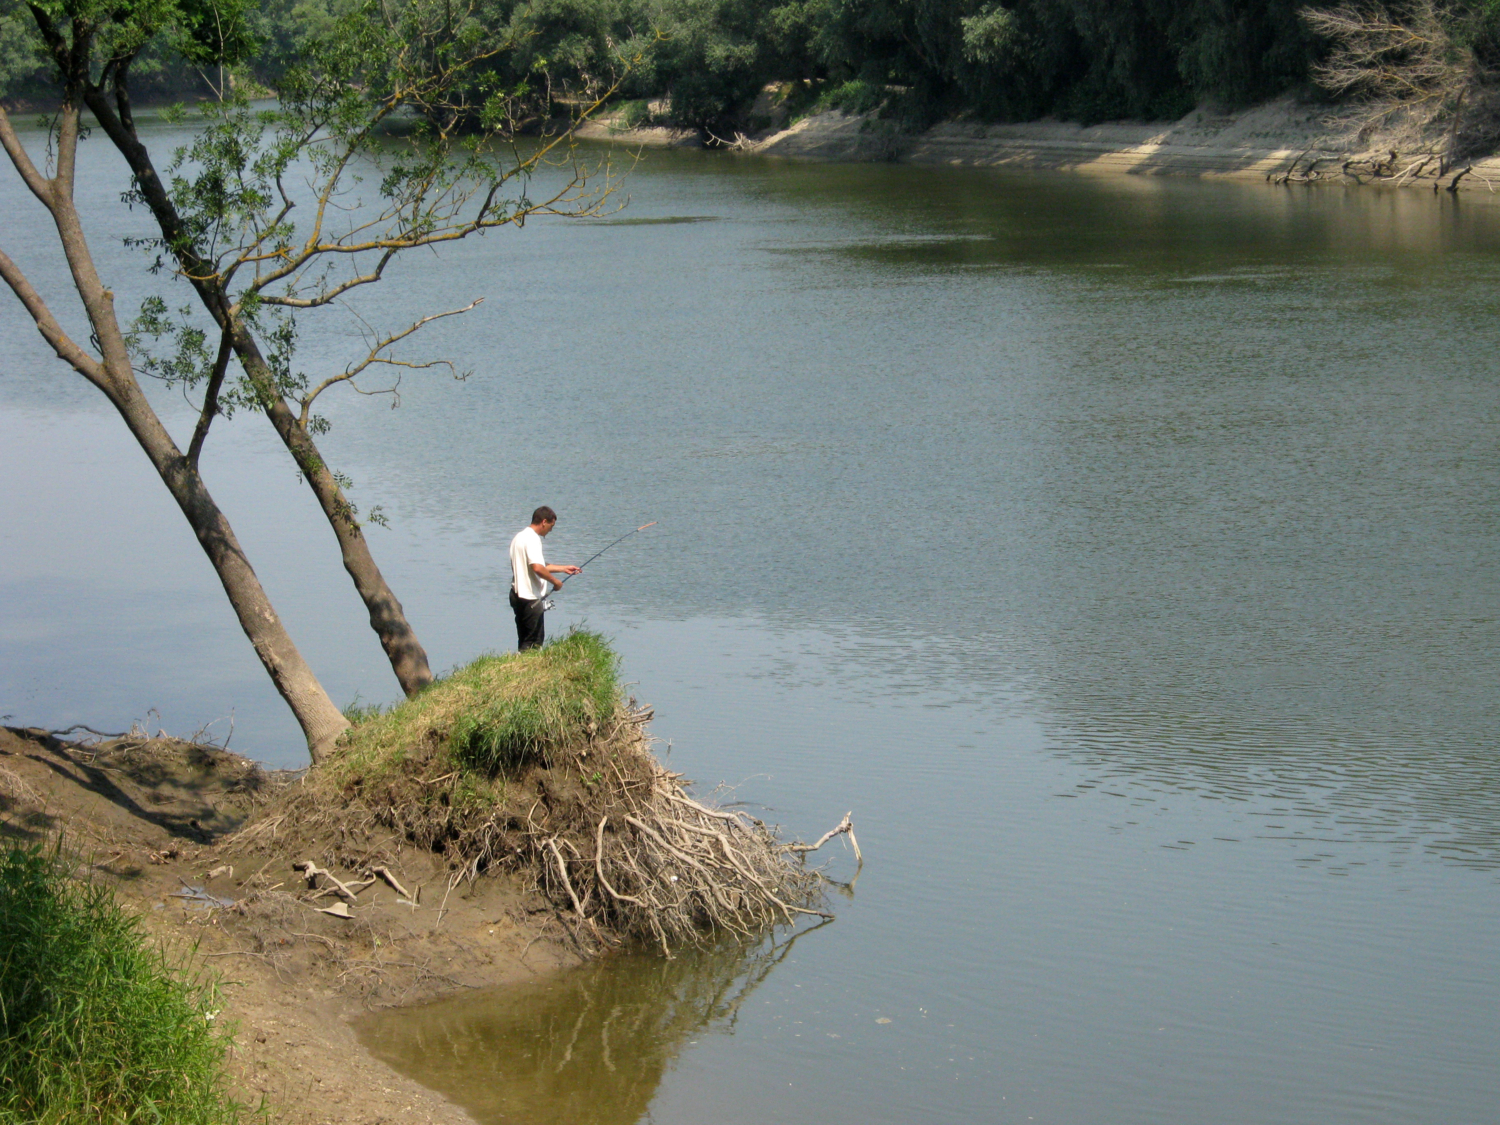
(525, 549)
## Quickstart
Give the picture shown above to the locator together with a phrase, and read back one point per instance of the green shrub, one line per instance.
(854, 96)
(634, 114)
(95, 1024)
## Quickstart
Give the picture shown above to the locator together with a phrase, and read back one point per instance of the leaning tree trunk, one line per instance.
(112, 373)
(321, 720)
(407, 656)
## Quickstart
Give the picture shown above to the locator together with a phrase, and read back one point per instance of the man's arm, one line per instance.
(546, 571)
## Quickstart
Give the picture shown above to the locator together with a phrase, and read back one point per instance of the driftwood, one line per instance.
(1379, 169)
(1452, 187)
(313, 873)
(1415, 168)
(390, 881)
(1287, 175)
(741, 143)
(844, 827)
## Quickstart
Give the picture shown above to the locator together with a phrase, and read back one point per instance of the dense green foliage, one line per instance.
(495, 713)
(920, 59)
(95, 1025)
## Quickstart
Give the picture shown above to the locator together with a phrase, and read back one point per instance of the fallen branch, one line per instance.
(1452, 187)
(1287, 175)
(91, 730)
(313, 872)
(844, 827)
(385, 873)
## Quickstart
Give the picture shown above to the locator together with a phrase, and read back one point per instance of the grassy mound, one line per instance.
(498, 713)
(94, 1024)
(532, 763)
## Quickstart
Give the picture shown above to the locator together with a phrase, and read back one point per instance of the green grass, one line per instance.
(96, 1025)
(494, 714)
(358, 711)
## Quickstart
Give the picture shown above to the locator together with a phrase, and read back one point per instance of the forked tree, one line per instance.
(387, 137)
(106, 363)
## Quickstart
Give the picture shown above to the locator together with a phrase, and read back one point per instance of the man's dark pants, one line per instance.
(530, 627)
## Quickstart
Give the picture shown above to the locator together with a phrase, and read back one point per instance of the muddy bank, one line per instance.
(1281, 141)
(161, 821)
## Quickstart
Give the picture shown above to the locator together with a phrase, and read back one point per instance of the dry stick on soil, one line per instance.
(312, 871)
(13, 785)
(385, 873)
(315, 937)
(254, 833)
(442, 906)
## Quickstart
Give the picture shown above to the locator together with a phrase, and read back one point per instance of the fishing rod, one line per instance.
(595, 555)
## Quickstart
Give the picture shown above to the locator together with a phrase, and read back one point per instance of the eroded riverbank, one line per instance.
(1281, 141)
(161, 822)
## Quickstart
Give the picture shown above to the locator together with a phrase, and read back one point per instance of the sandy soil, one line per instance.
(1282, 139)
(163, 822)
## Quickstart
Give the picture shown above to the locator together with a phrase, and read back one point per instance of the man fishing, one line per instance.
(530, 574)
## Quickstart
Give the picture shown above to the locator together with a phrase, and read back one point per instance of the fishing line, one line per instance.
(549, 603)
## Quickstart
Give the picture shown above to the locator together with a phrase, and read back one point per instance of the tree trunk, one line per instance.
(407, 656)
(320, 719)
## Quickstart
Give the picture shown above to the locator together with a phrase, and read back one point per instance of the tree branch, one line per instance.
(68, 351)
(40, 186)
(373, 357)
(211, 396)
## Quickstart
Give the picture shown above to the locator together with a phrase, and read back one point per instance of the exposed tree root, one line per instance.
(610, 836)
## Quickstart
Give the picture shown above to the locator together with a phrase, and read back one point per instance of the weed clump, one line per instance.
(94, 1024)
(532, 763)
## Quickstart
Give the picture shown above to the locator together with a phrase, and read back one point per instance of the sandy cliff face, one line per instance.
(1280, 140)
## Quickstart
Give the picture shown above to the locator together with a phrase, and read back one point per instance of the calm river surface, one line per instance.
(1122, 552)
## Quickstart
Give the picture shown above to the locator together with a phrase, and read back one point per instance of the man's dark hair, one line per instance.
(544, 514)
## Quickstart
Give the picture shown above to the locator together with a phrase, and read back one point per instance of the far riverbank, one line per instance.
(1283, 141)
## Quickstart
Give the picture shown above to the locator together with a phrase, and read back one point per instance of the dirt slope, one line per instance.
(162, 821)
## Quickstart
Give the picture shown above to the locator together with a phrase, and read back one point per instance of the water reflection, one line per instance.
(585, 1047)
(1011, 218)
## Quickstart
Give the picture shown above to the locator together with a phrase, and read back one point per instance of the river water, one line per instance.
(1122, 552)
